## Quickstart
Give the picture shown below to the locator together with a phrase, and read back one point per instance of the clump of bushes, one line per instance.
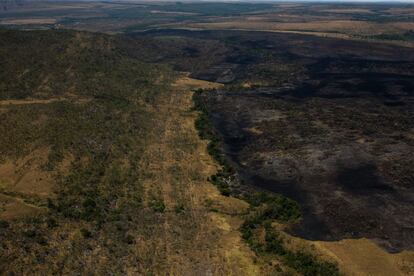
(268, 208)
(222, 180)
(157, 205)
(86, 233)
(302, 261)
(206, 131)
(4, 224)
(274, 207)
(265, 209)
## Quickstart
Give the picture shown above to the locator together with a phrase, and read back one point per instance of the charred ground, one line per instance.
(335, 134)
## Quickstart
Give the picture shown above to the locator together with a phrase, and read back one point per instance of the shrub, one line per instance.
(86, 233)
(129, 239)
(4, 224)
(274, 207)
(157, 205)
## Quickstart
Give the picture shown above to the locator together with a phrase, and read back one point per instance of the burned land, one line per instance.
(336, 134)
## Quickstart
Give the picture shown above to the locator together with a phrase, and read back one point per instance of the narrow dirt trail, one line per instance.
(7, 103)
(194, 237)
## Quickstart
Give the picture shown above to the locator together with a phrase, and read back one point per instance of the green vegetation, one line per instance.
(303, 262)
(103, 135)
(93, 131)
(273, 207)
(266, 209)
(206, 131)
(65, 62)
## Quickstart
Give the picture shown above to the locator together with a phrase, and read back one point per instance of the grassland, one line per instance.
(69, 167)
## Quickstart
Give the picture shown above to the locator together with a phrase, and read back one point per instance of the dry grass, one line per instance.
(325, 26)
(173, 12)
(363, 257)
(348, 10)
(355, 256)
(179, 166)
(28, 101)
(70, 97)
(12, 208)
(188, 83)
(26, 21)
(25, 176)
(24, 185)
(342, 29)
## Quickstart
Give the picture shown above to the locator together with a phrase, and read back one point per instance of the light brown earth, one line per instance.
(173, 12)
(354, 10)
(180, 165)
(15, 208)
(363, 257)
(26, 21)
(24, 186)
(6, 103)
(346, 27)
(342, 29)
(356, 257)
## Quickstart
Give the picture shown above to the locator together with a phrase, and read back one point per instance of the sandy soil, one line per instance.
(26, 21)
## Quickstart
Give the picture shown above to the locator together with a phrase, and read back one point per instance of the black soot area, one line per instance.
(330, 129)
(363, 180)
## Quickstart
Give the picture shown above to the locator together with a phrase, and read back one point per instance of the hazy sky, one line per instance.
(349, 1)
(337, 1)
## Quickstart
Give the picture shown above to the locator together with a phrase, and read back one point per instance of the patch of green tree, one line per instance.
(206, 131)
(97, 133)
(301, 260)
